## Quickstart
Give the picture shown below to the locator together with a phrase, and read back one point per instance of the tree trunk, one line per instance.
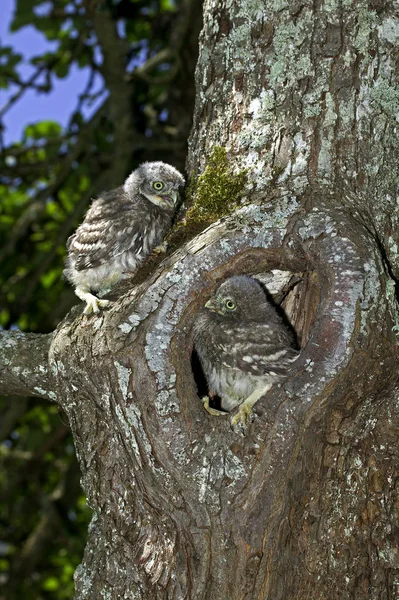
(306, 505)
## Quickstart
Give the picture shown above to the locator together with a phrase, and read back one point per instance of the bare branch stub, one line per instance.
(24, 365)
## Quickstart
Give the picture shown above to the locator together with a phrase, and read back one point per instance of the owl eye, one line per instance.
(158, 186)
(230, 304)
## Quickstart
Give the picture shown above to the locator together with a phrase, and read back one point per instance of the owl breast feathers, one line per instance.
(243, 344)
(120, 230)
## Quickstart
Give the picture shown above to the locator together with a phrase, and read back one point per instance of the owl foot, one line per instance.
(243, 417)
(212, 411)
(93, 305)
(161, 249)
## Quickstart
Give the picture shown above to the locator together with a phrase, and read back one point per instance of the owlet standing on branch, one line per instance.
(244, 346)
(120, 230)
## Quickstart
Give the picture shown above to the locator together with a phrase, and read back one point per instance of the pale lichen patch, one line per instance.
(389, 30)
(234, 467)
(123, 378)
(125, 328)
(134, 319)
(45, 393)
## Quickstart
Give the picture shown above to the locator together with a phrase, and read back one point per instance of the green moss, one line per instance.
(218, 190)
(216, 193)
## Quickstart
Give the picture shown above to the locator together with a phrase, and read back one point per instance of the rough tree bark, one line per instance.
(306, 505)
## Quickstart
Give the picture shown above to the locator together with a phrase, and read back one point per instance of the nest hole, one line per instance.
(296, 297)
(201, 383)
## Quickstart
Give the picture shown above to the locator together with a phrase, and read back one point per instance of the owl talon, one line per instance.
(161, 249)
(243, 417)
(211, 411)
(94, 305)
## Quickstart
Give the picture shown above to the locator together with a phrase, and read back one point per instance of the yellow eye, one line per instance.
(230, 304)
(158, 186)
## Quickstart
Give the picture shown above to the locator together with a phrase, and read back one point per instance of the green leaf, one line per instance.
(168, 5)
(6, 220)
(9, 57)
(14, 59)
(23, 15)
(137, 30)
(61, 69)
(4, 317)
(47, 279)
(54, 211)
(50, 27)
(6, 50)
(51, 584)
(23, 321)
(47, 58)
(85, 56)
(8, 61)
(42, 129)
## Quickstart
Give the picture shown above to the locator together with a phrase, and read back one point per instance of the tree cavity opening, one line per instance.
(296, 296)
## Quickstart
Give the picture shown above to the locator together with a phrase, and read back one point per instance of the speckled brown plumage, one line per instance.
(120, 230)
(243, 344)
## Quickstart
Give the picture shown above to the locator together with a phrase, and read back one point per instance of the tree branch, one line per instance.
(23, 87)
(113, 69)
(24, 365)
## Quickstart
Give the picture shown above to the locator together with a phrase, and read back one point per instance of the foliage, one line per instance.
(43, 512)
(48, 178)
(139, 57)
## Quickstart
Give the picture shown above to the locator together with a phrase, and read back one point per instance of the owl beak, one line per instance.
(212, 305)
(174, 195)
(170, 199)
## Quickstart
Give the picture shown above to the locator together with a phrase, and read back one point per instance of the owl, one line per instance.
(120, 230)
(243, 345)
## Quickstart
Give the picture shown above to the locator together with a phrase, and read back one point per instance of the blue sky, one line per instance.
(33, 107)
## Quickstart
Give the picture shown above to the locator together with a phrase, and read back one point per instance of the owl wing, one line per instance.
(259, 349)
(106, 244)
(111, 227)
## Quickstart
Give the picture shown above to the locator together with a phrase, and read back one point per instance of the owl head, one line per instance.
(158, 182)
(243, 298)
